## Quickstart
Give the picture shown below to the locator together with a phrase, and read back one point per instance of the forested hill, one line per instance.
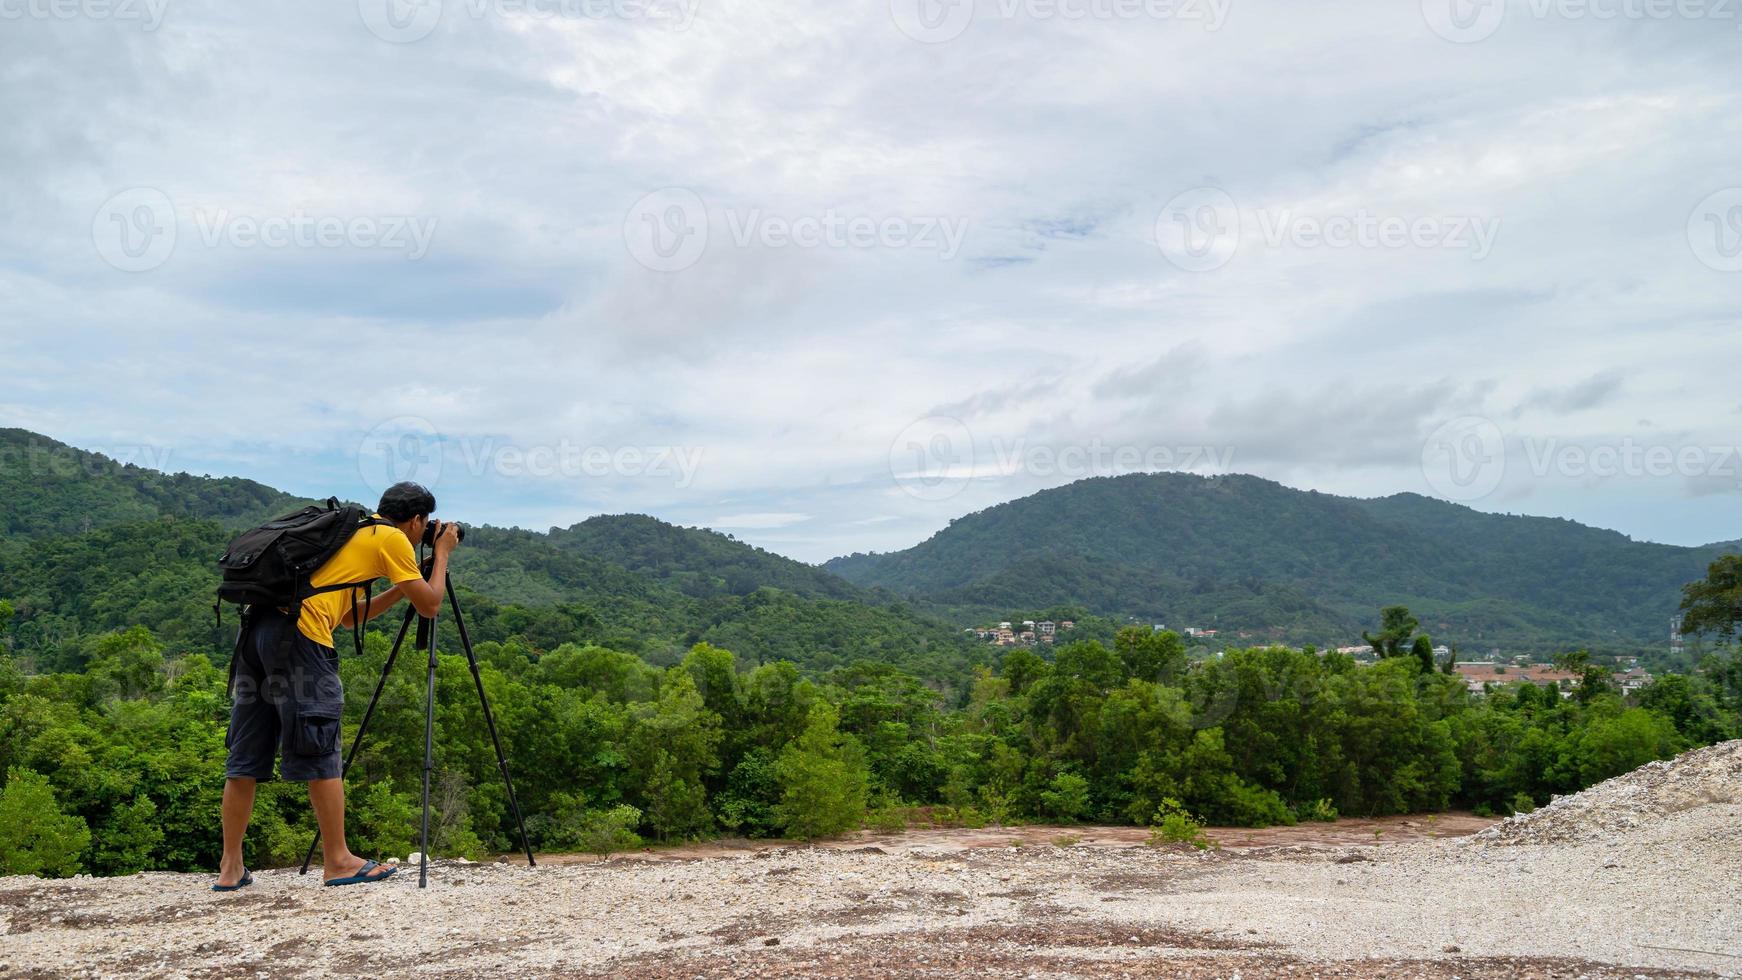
(93, 545)
(698, 561)
(49, 488)
(1246, 554)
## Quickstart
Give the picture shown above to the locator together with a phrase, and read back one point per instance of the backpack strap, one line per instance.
(357, 624)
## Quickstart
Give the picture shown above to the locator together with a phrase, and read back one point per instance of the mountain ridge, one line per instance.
(1313, 564)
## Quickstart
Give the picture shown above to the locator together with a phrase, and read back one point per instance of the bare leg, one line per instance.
(327, 797)
(238, 809)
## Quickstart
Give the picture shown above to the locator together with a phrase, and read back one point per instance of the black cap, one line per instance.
(404, 501)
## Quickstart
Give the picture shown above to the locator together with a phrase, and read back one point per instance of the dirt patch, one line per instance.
(934, 843)
(991, 956)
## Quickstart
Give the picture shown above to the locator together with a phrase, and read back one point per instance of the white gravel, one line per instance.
(1664, 893)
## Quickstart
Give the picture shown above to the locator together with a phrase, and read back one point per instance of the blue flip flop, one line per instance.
(247, 879)
(362, 876)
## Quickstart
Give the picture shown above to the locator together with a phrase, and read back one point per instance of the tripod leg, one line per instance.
(490, 722)
(428, 756)
(362, 726)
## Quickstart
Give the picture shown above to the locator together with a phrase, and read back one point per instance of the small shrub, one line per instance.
(1483, 810)
(595, 831)
(1318, 811)
(1066, 797)
(887, 820)
(1067, 840)
(1173, 824)
(36, 837)
(1522, 803)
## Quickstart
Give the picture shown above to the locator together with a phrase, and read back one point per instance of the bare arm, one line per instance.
(377, 605)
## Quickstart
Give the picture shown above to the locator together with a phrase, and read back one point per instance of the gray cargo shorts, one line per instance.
(285, 699)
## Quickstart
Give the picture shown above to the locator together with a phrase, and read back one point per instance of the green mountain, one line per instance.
(698, 561)
(49, 488)
(1251, 556)
(93, 545)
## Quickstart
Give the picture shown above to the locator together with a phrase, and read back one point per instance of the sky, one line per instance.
(827, 276)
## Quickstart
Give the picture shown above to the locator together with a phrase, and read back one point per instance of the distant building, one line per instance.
(1633, 680)
(1067, 624)
(1478, 674)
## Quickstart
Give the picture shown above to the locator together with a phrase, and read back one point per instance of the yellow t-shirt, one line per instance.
(374, 552)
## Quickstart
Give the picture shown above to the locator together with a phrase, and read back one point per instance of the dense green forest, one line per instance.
(96, 546)
(659, 684)
(1244, 554)
(117, 768)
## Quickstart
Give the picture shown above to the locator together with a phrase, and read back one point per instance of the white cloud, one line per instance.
(789, 372)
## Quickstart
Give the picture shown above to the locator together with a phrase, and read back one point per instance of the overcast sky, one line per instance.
(827, 275)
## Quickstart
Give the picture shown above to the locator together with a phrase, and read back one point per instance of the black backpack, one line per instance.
(271, 564)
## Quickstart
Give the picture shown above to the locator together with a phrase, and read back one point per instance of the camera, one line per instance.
(434, 528)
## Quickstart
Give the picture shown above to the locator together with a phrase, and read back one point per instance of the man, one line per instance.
(287, 696)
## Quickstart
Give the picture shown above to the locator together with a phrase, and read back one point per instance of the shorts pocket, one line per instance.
(317, 729)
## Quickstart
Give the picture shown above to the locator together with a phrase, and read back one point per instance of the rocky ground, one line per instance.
(1659, 896)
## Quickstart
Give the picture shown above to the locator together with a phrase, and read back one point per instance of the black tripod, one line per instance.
(426, 639)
